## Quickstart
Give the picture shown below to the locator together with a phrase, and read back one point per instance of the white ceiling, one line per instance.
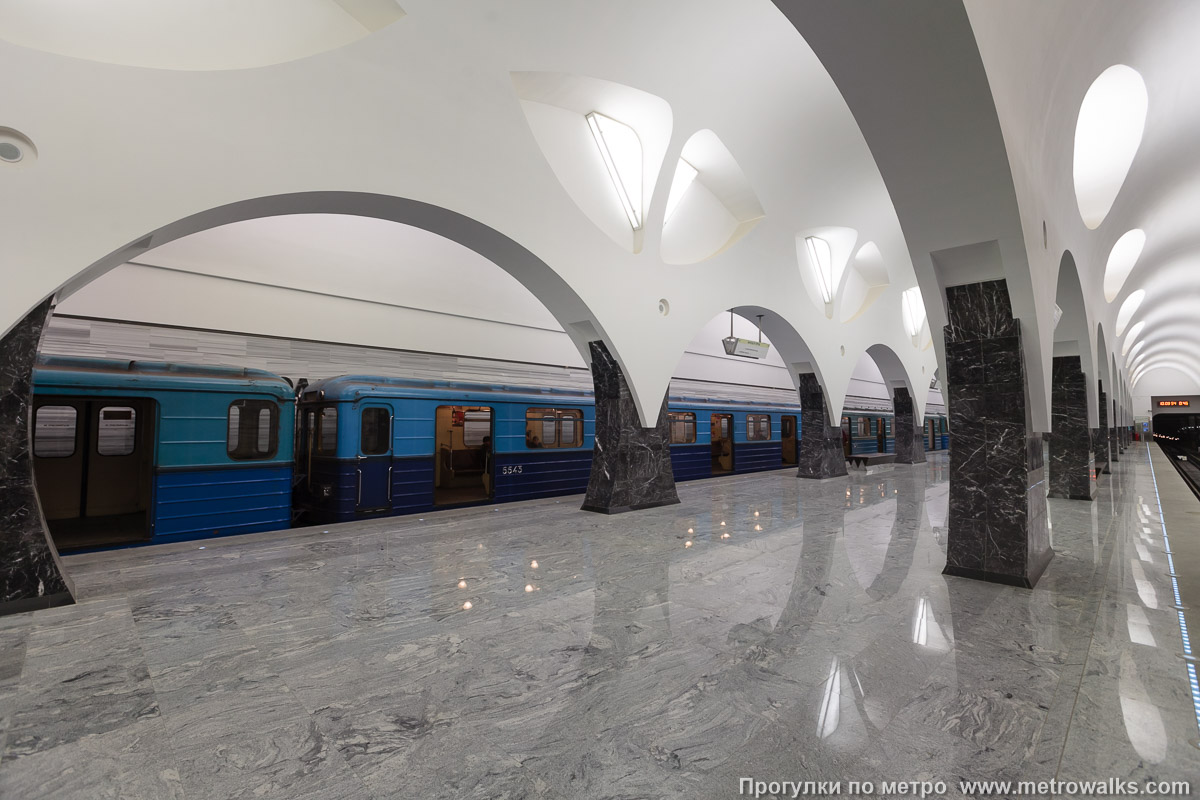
(191, 34)
(1041, 60)
(358, 258)
(427, 110)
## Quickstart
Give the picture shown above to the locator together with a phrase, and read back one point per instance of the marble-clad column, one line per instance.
(909, 433)
(820, 454)
(1072, 465)
(631, 465)
(997, 521)
(31, 576)
(1100, 440)
(1114, 446)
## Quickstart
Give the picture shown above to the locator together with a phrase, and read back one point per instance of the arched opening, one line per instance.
(884, 414)
(1072, 399)
(523, 271)
(734, 406)
(1103, 382)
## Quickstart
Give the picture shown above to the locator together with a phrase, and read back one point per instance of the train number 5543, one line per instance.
(510, 470)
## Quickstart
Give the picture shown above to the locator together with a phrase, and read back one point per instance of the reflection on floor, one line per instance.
(766, 627)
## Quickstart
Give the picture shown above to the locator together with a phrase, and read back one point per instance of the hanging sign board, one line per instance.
(745, 347)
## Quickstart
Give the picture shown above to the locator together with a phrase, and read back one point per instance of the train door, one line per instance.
(464, 460)
(93, 462)
(374, 458)
(787, 427)
(881, 435)
(847, 447)
(722, 443)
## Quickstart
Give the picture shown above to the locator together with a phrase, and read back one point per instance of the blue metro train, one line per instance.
(132, 451)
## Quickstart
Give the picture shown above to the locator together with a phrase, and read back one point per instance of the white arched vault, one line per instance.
(941, 151)
(1074, 335)
(387, 117)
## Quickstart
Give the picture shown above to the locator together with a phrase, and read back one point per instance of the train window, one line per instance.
(375, 431)
(327, 431)
(252, 432)
(264, 430)
(570, 428)
(553, 427)
(683, 427)
(54, 432)
(477, 426)
(864, 426)
(540, 429)
(758, 427)
(116, 433)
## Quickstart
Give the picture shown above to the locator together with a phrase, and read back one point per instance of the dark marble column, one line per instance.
(1101, 441)
(910, 439)
(31, 576)
(820, 454)
(997, 521)
(631, 465)
(1072, 465)
(1114, 446)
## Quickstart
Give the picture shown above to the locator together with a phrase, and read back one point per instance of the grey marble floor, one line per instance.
(767, 627)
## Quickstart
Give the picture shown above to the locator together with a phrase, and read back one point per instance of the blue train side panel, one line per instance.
(192, 504)
(412, 484)
(541, 473)
(691, 461)
(757, 456)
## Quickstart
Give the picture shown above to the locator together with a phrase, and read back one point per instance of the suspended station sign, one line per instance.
(745, 348)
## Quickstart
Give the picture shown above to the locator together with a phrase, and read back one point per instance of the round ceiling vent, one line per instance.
(15, 147)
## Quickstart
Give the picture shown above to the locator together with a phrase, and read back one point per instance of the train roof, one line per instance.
(116, 373)
(355, 387)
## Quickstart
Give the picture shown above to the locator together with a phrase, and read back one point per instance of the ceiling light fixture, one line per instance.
(1134, 332)
(913, 311)
(822, 260)
(621, 150)
(685, 173)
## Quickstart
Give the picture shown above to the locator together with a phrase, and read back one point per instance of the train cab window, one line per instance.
(375, 431)
(253, 430)
(758, 427)
(864, 426)
(683, 427)
(54, 432)
(553, 427)
(117, 430)
(327, 431)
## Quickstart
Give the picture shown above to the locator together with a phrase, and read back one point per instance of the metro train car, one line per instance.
(130, 452)
(872, 432)
(139, 451)
(370, 446)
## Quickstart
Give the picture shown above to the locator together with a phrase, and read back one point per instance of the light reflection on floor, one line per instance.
(766, 626)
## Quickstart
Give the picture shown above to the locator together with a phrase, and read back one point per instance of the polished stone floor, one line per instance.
(767, 627)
